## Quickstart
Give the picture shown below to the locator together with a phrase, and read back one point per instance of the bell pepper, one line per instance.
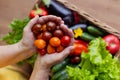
(38, 11)
(80, 46)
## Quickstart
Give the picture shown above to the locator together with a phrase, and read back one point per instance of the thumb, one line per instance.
(62, 55)
(31, 23)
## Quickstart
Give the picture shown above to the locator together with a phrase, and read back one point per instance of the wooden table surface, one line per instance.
(107, 11)
(12, 9)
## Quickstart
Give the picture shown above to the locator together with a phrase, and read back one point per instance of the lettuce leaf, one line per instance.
(96, 64)
(16, 27)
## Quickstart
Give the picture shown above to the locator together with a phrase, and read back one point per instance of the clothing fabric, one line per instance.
(11, 73)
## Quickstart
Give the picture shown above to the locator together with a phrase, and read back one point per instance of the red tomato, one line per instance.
(79, 47)
(75, 59)
(42, 51)
(113, 43)
(65, 40)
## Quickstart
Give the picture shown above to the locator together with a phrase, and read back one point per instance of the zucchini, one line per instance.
(95, 31)
(87, 37)
(59, 74)
(60, 66)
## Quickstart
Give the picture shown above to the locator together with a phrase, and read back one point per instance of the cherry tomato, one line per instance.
(40, 43)
(51, 26)
(58, 33)
(42, 51)
(46, 35)
(37, 29)
(50, 49)
(44, 27)
(39, 36)
(75, 60)
(113, 43)
(65, 40)
(60, 48)
(55, 41)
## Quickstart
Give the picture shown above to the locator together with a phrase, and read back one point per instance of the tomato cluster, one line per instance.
(50, 38)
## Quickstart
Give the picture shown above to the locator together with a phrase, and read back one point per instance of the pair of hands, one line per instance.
(47, 60)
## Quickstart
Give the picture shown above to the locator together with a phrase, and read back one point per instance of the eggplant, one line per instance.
(58, 9)
(82, 26)
(68, 21)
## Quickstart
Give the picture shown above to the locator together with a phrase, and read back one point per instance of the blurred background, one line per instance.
(13, 9)
(107, 11)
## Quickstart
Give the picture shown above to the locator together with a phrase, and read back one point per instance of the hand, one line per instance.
(28, 37)
(45, 62)
(27, 41)
(49, 60)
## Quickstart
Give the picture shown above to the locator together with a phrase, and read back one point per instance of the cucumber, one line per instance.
(63, 76)
(95, 31)
(59, 74)
(87, 37)
(60, 66)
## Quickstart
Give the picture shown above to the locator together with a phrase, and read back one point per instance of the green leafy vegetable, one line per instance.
(96, 64)
(16, 34)
(17, 29)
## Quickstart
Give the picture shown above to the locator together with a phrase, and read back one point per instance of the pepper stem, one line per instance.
(38, 10)
(37, 7)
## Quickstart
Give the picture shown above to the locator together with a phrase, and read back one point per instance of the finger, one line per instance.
(72, 37)
(67, 31)
(62, 55)
(31, 23)
(45, 19)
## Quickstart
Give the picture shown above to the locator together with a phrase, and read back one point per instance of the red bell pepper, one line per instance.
(80, 46)
(38, 11)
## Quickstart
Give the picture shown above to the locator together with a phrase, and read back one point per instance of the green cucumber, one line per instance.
(63, 76)
(95, 31)
(87, 37)
(59, 74)
(60, 66)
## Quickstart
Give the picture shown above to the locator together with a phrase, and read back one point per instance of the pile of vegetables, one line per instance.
(96, 64)
(94, 55)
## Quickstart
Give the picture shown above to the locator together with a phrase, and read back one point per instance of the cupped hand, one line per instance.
(28, 37)
(48, 60)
